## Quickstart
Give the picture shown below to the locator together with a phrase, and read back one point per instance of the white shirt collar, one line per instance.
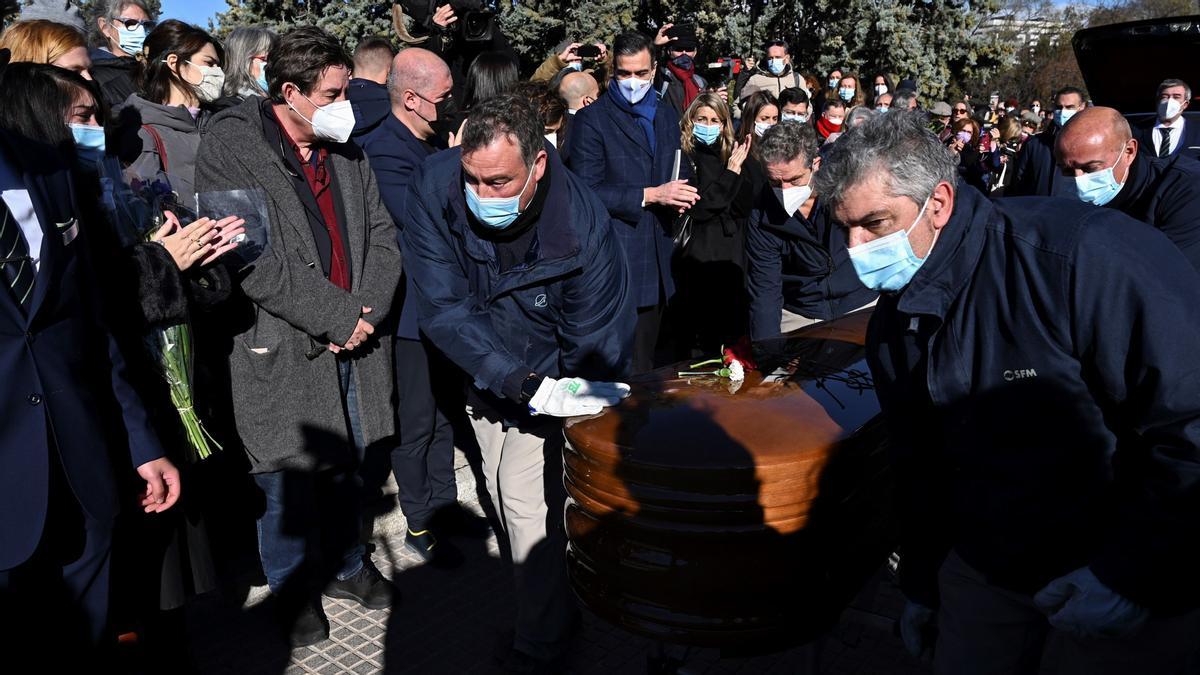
(1173, 125)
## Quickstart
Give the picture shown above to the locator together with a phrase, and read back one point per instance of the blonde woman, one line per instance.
(711, 298)
(41, 41)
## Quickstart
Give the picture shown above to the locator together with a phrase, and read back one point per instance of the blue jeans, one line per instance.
(310, 528)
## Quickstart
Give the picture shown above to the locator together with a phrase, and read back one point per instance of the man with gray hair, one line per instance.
(1035, 360)
(798, 272)
(1098, 152)
(1169, 134)
(520, 280)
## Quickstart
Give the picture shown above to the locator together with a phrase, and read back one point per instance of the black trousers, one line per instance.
(645, 337)
(54, 606)
(427, 385)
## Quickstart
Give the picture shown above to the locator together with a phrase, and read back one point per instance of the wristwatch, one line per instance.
(530, 386)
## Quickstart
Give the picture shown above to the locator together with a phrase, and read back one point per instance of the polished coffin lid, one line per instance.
(705, 452)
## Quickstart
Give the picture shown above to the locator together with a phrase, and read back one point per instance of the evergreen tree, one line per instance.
(348, 20)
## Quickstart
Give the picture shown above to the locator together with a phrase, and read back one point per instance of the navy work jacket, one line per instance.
(799, 264)
(1041, 380)
(1165, 193)
(566, 311)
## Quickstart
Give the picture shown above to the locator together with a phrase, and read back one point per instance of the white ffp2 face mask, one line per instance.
(794, 197)
(333, 122)
(1169, 109)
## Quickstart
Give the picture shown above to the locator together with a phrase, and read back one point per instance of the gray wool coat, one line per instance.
(288, 408)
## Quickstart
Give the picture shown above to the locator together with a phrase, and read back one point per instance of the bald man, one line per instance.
(577, 90)
(423, 457)
(1098, 153)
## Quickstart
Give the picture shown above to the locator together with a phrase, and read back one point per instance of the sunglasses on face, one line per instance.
(131, 24)
(960, 111)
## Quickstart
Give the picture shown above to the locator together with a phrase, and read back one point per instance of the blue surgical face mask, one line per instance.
(1061, 116)
(576, 66)
(776, 66)
(131, 41)
(706, 133)
(882, 109)
(1098, 187)
(261, 80)
(89, 141)
(889, 263)
(833, 82)
(846, 93)
(633, 89)
(497, 213)
(760, 128)
(794, 117)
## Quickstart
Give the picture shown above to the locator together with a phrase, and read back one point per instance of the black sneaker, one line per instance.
(442, 555)
(519, 663)
(368, 588)
(308, 627)
(454, 520)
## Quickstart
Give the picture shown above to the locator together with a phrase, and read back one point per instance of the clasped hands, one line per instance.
(362, 331)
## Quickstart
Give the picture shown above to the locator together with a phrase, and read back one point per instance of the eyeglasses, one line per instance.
(960, 111)
(131, 24)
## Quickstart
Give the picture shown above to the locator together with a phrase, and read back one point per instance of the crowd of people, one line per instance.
(354, 251)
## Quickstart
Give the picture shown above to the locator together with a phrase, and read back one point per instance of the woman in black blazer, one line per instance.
(711, 305)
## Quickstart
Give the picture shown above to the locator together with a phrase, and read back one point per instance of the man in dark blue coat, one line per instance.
(423, 460)
(67, 406)
(1100, 153)
(521, 282)
(624, 147)
(1035, 360)
(799, 271)
(368, 92)
(1035, 172)
(1169, 134)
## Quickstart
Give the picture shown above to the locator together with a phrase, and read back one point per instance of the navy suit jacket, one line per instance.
(394, 153)
(1189, 146)
(60, 371)
(608, 150)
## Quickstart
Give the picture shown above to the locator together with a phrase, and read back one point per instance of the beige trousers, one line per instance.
(523, 471)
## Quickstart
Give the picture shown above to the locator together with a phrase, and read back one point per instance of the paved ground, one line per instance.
(453, 622)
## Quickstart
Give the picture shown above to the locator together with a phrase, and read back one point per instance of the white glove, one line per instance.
(572, 396)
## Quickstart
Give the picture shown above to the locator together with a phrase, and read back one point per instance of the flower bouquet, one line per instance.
(171, 346)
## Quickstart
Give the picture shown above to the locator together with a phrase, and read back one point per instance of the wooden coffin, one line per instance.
(708, 514)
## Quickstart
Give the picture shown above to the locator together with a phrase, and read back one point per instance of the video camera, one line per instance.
(476, 18)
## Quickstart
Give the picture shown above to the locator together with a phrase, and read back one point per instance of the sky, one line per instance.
(196, 12)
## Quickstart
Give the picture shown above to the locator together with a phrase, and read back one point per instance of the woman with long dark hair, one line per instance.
(182, 73)
(490, 74)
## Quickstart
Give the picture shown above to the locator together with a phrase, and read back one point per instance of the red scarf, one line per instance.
(825, 128)
(690, 89)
